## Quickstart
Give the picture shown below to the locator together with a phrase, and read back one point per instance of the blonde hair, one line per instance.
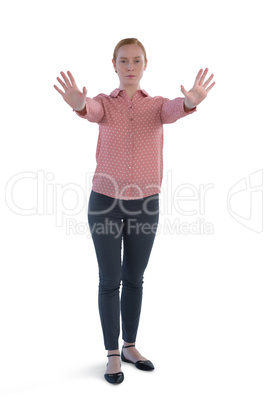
(128, 41)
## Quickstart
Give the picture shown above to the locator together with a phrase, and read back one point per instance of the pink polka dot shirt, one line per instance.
(129, 151)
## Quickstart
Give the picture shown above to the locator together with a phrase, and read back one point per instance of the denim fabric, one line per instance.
(123, 233)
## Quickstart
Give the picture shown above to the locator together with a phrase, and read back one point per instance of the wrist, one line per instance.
(187, 106)
(83, 111)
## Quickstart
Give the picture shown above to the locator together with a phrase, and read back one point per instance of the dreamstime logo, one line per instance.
(43, 197)
(245, 201)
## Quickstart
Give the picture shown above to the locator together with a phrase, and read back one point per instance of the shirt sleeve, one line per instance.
(95, 110)
(172, 110)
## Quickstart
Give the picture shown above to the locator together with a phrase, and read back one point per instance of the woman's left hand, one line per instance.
(199, 91)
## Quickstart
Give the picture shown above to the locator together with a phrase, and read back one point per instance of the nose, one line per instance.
(130, 66)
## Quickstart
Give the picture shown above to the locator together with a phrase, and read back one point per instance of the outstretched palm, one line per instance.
(199, 91)
(72, 95)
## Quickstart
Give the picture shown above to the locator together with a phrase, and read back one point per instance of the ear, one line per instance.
(145, 65)
(114, 64)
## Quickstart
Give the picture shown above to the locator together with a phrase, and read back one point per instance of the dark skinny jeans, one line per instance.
(133, 224)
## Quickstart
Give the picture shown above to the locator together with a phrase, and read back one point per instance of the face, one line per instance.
(130, 65)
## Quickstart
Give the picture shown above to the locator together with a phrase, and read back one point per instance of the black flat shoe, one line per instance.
(115, 378)
(145, 365)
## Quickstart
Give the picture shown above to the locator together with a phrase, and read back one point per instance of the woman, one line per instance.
(123, 206)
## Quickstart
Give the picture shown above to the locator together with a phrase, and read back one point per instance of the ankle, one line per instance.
(129, 343)
(113, 352)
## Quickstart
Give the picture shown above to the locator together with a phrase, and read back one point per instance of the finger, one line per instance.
(208, 81)
(198, 76)
(211, 86)
(183, 90)
(72, 79)
(62, 83)
(66, 79)
(203, 76)
(55, 86)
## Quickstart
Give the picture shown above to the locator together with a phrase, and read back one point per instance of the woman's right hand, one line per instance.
(72, 95)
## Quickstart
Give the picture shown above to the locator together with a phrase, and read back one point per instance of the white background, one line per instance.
(204, 317)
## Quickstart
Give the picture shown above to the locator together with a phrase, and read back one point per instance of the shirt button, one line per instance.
(131, 119)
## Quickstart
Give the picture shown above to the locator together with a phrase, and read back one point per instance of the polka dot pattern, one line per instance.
(129, 151)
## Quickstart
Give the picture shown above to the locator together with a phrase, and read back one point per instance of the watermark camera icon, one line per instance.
(247, 195)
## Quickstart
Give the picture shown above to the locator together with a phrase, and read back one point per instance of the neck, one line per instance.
(130, 89)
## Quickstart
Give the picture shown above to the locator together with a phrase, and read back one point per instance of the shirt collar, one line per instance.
(116, 91)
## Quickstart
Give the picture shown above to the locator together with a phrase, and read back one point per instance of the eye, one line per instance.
(138, 61)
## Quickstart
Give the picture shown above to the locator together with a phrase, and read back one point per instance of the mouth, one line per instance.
(130, 76)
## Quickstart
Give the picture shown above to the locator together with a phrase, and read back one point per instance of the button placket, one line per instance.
(131, 139)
